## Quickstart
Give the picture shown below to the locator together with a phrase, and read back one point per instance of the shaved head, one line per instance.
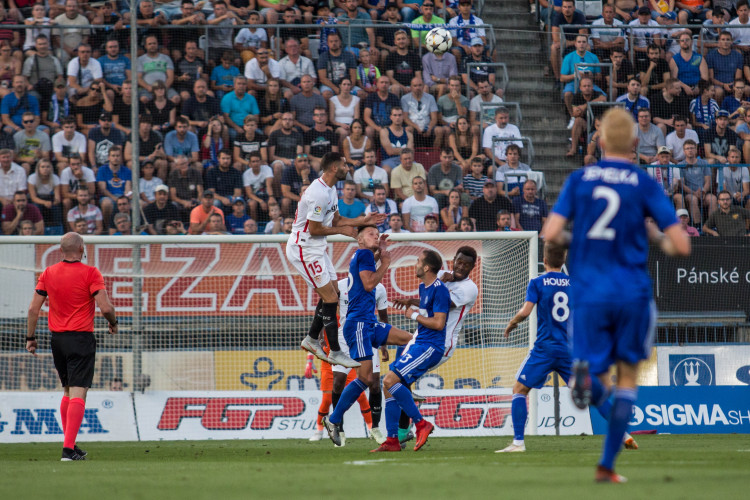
(71, 245)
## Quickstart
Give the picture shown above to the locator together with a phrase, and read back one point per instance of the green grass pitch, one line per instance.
(665, 467)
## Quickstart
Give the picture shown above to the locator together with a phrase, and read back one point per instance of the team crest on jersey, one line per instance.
(318, 210)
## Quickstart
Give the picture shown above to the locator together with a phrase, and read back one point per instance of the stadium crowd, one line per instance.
(686, 88)
(230, 137)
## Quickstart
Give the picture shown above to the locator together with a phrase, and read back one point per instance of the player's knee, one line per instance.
(519, 388)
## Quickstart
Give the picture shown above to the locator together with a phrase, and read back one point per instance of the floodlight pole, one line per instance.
(136, 200)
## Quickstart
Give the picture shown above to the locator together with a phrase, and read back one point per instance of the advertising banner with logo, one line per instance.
(694, 366)
(27, 417)
(688, 410)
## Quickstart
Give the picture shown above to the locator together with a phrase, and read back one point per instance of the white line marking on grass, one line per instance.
(369, 462)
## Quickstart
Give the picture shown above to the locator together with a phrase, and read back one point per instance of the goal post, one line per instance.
(225, 315)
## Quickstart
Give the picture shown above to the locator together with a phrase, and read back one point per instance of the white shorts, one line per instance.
(345, 348)
(313, 264)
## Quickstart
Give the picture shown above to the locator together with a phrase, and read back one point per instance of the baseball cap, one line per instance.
(239, 201)
(663, 149)
(489, 182)
(669, 15)
(644, 10)
(723, 112)
(60, 84)
(476, 41)
(161, 187)
(208, 193)
(682, 212)
(106, 116)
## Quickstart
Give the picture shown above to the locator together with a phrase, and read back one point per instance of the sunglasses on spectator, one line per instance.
(302, 157)
(28, 121)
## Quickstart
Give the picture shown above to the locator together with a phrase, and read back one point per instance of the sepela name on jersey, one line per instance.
(610, 175)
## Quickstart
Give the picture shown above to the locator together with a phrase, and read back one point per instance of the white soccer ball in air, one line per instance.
(438, 40)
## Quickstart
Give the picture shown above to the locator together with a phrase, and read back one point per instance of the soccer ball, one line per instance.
(438, 40)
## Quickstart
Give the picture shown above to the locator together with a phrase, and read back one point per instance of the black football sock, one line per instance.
(331, 325)
(403, 422)
(335, 396)
(317, 323)
(376, 406)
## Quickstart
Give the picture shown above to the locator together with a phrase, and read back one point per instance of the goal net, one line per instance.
(210, 329)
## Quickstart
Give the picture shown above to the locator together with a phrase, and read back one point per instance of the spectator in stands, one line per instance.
(185, 186)
(335, 64)
(15, 104)
(378, 107)
(688, 67)
(395, 224)
(409, 11)
(236, 220)
(692, 11)
(12, 177)
(476, 69)
(484, 210)
(736, 179)
(452, 103)
(418, 205)
(500, 129)
(355, 144)
(475, 180)
(122, 206)
(83, 73)
(224, 181)
(462, 38)
(729, 220)
(32, 145)
(71, 178)
(251, 38)
(607, 33)
(84, 210)
(59, 107)
(724, 66)
(161, 210)
(81, 226)
(564, 38)
(675, 140)
(147, 17)
(288, 222)
(650, 138)
(684, 217)
(741, 36)
(259, 69)
(68, 39)
(215, 225)
(252, 141)
(464, 143)
(113, 180)
(222, 76)
(124, 226)
(713, 27)
(174, 228)
(189, 69)
(703, 108)
(221, 40)
(718, 139)
(380, 203)
(645, 33)
(394, 139)
(386, 32)
(151, 147)
(303, 105)
(452, 214)
(367, 74)
(421, 116)
(668, 104)
(743, 131)
(38, 26)
(44, 192)
(147, 182)
(633, 101)
(90, 106)
(294, 179)
(199, 216)
(320, 139)
(403, 175)
(20, 210)
(622, 72)
(653, 72)
(530, 211)
(428, 17)
(102, 138)
(431, 224)
(272, 106)
(68, 143)
(154, 66)
(505, 221)
(115, 68)
(510, 177)
(569, 72)
(437, 69)
(579, 105)
(182, 142)
(275, 224)
(200, 107)
(359, 37)
(733, 103)
(236, 105)
(349, 205)
(284, 145)
(481, 114)
(121, 109)
(662, 171)
(369, 176)
(693, 188)
(444, 177)
(294, 66)
(402, 65)
(42, 69)
(215, 139)
(258, 183)
(26, 228)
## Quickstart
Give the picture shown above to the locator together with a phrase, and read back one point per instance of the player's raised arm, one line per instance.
(436, 322)
(371, 219)
(317, 228)
(521, 315)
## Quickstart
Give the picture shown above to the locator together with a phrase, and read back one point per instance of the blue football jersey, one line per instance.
(433, 299)
(609, 251)
(361, 302)
(550, 294)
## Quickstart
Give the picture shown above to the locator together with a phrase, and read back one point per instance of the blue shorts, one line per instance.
(538, 364)
(362, 336)
(416, 361)
(605, 333)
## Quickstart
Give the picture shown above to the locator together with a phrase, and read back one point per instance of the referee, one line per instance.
(72, 288)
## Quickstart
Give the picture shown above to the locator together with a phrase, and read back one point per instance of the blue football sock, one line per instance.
(618, 424)
(519, 412)
(405, 401)
(392, 413)
(350, 394)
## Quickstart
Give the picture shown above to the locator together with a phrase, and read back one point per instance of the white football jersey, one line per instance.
(463, 294)
(319, 203)
(381, 299)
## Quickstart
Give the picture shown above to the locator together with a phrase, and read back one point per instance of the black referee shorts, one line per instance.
(74, 356)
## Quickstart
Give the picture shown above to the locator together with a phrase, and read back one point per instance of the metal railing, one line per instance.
(513, 107)
(504, 79)
(578, 74)
(529, 149)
